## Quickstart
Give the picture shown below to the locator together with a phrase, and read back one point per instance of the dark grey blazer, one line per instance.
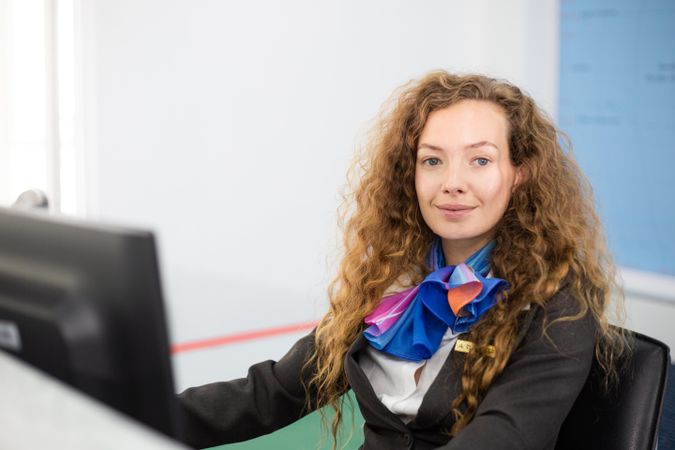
(523, 409)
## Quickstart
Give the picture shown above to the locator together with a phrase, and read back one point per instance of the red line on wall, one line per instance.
(241, 337)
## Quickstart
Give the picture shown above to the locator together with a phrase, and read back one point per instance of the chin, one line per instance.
(468, 234)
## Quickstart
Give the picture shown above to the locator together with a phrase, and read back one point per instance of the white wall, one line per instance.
(228, 126)
(4, 104)
(650, 304)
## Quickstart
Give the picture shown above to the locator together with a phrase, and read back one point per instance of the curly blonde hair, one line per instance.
(549, 233)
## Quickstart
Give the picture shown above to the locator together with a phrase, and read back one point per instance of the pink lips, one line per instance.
(455, 211)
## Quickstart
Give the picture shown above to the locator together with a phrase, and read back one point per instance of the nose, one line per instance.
(454, 181)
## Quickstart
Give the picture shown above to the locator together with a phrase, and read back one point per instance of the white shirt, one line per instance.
(393, 379)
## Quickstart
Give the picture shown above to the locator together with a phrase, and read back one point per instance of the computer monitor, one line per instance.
(83, 303)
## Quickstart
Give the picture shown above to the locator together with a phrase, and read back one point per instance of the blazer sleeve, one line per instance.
(270, 397)
(527, 404)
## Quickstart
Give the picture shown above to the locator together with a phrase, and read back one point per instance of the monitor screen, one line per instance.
(83, 303)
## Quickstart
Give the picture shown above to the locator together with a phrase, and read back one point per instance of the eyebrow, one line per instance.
(466, 147)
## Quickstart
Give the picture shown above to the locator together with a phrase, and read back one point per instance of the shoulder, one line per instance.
(562, 323)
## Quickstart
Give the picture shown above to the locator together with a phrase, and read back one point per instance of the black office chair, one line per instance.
(627, 419)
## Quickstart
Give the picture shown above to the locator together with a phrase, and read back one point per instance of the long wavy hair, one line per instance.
(549, 233)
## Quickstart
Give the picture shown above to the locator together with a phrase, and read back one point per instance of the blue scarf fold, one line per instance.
(411, 324)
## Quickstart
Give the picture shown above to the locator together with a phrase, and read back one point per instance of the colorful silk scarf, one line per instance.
(410, 324)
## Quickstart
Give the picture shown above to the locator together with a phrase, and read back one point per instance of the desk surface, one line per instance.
(38, 412)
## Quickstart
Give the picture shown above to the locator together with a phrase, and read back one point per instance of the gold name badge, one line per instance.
(467, 346)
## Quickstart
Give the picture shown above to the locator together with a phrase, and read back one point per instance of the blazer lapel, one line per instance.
(372, 408)
(437, 402)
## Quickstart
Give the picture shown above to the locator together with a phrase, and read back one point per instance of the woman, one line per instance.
(472, 294)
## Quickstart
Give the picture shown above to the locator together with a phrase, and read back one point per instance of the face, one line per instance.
(464, 176)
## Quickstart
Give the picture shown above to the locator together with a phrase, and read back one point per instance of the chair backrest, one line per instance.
(628, 417)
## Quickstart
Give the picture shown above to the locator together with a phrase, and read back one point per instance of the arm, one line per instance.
(270, 397)
(526, 405)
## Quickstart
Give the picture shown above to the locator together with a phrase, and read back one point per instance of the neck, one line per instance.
(458, 251)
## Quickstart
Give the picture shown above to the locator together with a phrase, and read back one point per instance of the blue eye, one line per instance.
(482, 161)
(432, 161)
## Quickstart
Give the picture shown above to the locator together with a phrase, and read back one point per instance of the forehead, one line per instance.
(467, 121)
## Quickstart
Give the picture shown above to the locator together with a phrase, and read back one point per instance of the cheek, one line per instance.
(421, 188)
(495, 190)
